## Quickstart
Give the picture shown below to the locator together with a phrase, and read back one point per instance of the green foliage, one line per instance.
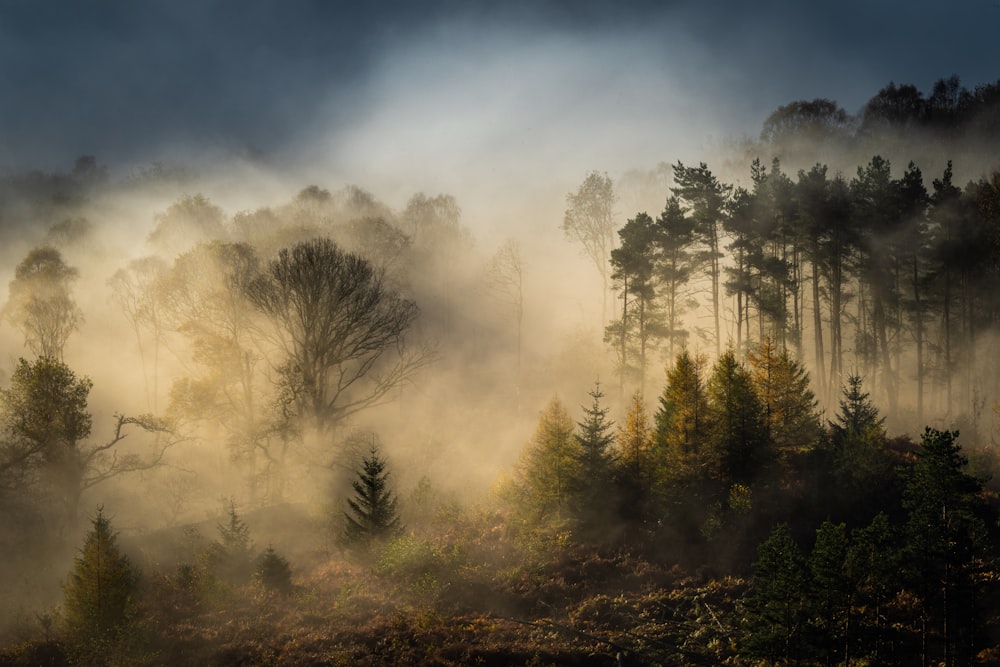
(594, 469)
(830, 590)
(98, 596)
(374, 515)
(547, 468)
(775, 609)
(789, 405)
(682, 423)
(736, 446)
(945, 534)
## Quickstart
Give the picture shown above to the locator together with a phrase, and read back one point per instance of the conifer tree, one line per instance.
(635, 462)
(737, 443)
(374, 514)
(595, 462)
(830, 590)
(945, 534)
(273, 572)
(789, 405)
(548, 466)
(232, 557)
(682, 418)
(858, 435)
(775, 613)
(98, 595)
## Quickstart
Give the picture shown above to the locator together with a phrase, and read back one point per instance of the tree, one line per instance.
(634, 263)
(873, 564)
(138, 289)
(682, 419)
(706, 199)
(373, 510)
(505, 280)
(806, 120)
(341, 330)
(945, 531)
(548, 466)
(594, 468)
(44, 425)
(675, 267)
(41, 305)
(232, 556)
(205, 295)
(589, 220)
(188, 221)
(634, 458)
(737, 442)
(273, 572)
(98, 596)
(790, 409)
(775, 609)
(830, 590)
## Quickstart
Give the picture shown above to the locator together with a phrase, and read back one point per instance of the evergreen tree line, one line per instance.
(883, 548)
(874, 275)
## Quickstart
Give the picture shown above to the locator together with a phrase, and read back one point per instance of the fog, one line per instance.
(317, 122)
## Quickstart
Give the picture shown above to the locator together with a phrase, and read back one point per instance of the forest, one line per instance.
(329, 430)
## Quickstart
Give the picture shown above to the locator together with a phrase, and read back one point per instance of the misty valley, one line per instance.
(736, 411)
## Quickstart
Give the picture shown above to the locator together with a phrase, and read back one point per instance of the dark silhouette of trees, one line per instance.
(634, 270)
(706, 199)
(374, 511)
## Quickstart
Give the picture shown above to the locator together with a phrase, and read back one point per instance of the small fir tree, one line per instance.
(232, 556)
(374, 513)
(273, 572)
(595, 469)
(98, 595)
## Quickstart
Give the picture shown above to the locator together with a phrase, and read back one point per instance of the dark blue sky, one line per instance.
(450, 85)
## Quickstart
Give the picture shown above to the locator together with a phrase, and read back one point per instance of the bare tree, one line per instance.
(40, 302)
(589, 220)
(137, 288)
(342, 331)
(504, 278)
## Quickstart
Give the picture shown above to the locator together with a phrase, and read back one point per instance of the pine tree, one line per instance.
(635, 465)
(374, 506)
(548, 467)
(829, 590)
(273, 572)
(789, 405)
(737, 443)
(945, 533)
(682, 418)
(595, 463)
(775, 613)
(232, 557)
(858, 436)
(98, 596)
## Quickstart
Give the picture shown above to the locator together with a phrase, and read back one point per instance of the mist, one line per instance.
(172, 157)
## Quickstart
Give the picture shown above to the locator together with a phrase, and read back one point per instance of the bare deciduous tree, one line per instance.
(40, 302)
(342, 331)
